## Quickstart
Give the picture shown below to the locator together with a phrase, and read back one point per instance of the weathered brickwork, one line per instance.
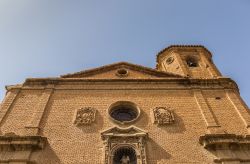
(208, 114)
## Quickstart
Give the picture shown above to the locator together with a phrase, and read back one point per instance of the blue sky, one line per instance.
(49, 38)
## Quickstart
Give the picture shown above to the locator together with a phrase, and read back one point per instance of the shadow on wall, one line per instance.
(142, 121)
(47, 156)
(155, 153)
(177, 127)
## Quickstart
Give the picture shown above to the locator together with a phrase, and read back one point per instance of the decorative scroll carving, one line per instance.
(163, 116)
(85, 116)
(117, 138)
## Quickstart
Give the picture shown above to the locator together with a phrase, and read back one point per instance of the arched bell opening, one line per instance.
(125, 155)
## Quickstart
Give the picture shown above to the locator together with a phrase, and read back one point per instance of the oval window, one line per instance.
(122, 72)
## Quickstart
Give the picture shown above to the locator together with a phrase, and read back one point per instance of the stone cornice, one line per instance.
(146, 70)
(224, 141)
(15, 143)
(172, 83)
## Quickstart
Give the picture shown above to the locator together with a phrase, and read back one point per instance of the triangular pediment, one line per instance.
(122, 132)
(121, 70)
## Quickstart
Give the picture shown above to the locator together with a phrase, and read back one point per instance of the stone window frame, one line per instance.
(128, 104)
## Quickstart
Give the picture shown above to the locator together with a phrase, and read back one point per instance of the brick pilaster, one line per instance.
(240, 107)
(33, 125)
(210, 120)
(7, 103)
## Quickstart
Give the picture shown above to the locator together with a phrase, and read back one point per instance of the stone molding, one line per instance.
(128, 104)
(220, 141)
(227, 147)
(172, 83)
(124, 65)
(21, 143)
(163, 116)
(85, 116)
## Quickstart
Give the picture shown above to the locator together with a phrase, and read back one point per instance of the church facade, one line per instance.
(183, 111)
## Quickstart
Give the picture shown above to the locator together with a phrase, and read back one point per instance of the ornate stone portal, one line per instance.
(85, 116)
(163, 116)
(124, 145)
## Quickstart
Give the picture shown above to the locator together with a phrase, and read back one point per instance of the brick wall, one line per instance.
(71, 144)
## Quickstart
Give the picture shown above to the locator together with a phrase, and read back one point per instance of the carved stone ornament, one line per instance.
(227, 147)
(85, 116)
(131, 141)
(170, 60)
(163, 116)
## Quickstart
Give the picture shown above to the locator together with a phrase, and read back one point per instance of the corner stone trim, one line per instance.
(85, 116)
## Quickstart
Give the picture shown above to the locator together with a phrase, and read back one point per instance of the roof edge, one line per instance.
(143, 68)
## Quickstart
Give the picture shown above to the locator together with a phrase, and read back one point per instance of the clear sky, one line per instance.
(47, 38)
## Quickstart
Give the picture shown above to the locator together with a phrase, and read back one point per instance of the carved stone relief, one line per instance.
(131, 138)
(163, 116)
(85, 116)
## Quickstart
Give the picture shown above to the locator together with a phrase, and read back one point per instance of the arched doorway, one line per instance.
(124, 155)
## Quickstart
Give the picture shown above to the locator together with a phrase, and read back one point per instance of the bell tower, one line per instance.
(193, 61)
